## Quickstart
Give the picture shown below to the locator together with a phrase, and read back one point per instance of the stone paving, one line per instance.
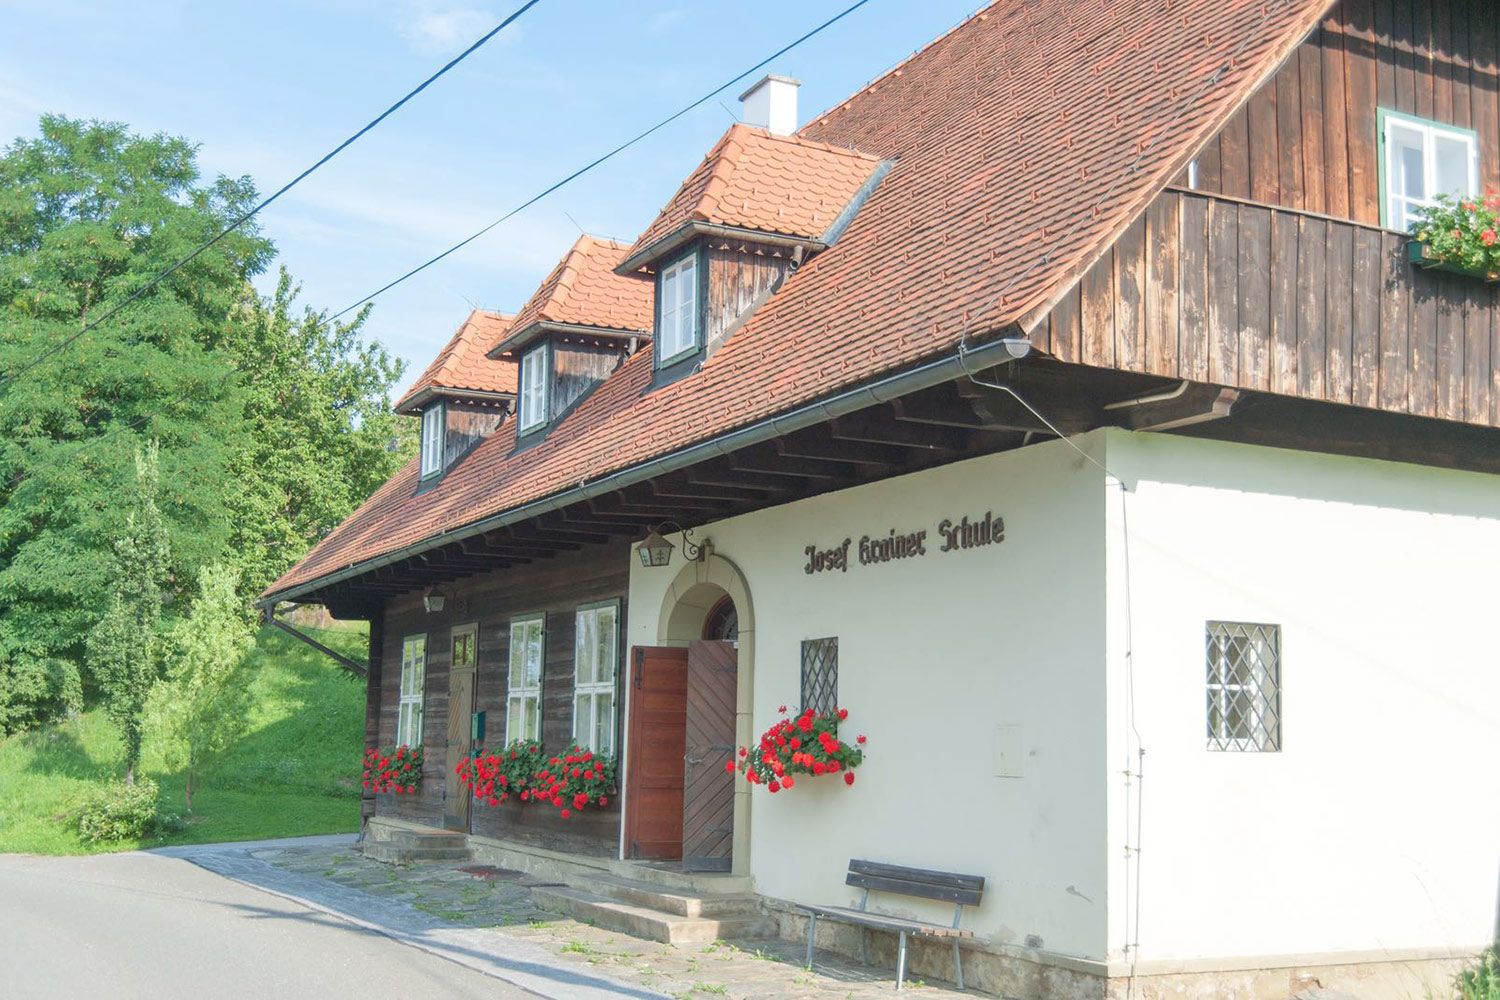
(461, 894)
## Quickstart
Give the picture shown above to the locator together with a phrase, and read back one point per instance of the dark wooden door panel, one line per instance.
(657, 731)
(457, 802)
(708, 793)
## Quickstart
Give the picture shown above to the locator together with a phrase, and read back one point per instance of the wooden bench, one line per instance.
(871, 876)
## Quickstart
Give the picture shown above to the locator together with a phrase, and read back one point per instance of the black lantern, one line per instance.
(433, 600)
(655, 550)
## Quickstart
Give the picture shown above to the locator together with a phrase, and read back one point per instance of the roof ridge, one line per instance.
(897, 69)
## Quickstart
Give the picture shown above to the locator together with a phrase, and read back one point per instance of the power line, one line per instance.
(602, 159)
(6, 380)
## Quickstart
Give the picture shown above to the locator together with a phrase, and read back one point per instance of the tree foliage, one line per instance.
(271, 422)
(202, 708)
(324, 436)
(124, 649)
(88, 214)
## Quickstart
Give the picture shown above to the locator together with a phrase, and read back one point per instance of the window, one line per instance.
(432, 440)
(523, 700)
(820, 674)
(1423, 159)
(1244, 686)
(596, 656)
(533, 388)
(723, 621)
(413, 679)
(677, 310)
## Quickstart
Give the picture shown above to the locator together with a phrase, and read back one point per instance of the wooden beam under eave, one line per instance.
(771, 464)
(819, 444)
(879, 426)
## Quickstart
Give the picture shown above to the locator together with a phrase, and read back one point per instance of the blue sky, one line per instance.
(267, 88)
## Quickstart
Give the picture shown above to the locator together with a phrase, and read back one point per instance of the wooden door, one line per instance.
(708, 787)
(657, 732)
(457, 801)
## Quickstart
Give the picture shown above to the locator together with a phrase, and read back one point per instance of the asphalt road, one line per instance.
(144, 925)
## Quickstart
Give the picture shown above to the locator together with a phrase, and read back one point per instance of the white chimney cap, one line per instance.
(771, 104)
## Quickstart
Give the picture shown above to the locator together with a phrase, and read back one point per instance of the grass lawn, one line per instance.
(295, 772)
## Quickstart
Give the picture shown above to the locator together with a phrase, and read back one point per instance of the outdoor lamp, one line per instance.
(433, 600)
(655, 550)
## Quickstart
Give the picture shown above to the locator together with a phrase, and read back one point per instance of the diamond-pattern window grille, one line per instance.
(1244, 686)
(820, 674)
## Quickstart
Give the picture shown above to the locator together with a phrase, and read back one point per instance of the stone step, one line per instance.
(400, 854)
(427, 838)
(677, 902)
(644, 922)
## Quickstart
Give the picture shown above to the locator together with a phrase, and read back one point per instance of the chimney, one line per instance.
(771, 104)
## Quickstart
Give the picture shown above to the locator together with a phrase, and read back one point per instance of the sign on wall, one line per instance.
(949, 536)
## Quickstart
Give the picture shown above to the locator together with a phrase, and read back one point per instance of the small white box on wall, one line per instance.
(1009, 753)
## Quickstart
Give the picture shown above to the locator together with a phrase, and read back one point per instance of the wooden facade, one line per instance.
(1270, 299)
(467, 424)
(1308, 139)
(578, 369)
(737, 278)
(556, 587)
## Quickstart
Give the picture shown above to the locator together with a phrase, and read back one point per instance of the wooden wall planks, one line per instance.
(1284, 301)
(1308, 138)
(554, 587)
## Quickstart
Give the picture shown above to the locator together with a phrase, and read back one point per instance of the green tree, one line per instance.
(323, 436)
(202, 709)
(88, 214)
(124, 649)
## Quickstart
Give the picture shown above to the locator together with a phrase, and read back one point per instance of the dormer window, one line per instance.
(432, 440)
(677, 310)
(533, 412)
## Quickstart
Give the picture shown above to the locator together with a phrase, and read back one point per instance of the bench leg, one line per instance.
(864, 944)
(958, 967)
(900, 961)
(812, 931)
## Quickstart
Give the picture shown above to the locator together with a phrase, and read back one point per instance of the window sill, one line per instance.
(1417, 253)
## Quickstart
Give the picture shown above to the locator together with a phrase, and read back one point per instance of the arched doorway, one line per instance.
(693, 692)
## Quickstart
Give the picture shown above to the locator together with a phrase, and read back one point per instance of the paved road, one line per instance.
(145, 925)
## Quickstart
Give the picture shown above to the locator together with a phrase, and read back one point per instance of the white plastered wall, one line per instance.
(1375, 831)
(936, 653)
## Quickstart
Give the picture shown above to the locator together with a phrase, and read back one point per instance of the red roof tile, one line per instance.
(751, 179)
(461, 366)
(584, 290)
(1025, 141)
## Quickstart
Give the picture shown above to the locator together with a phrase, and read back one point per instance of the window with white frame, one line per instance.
(413, 681)
(1244, 686)
(533, 388)
(1423, 159)
(432, 440)
(523, 693)
(596, 655)
(677, 309)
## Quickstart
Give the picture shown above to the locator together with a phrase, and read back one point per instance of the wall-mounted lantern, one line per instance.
(655, 550)
(433, 600)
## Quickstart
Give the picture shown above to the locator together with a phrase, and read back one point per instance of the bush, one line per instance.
(36, 690)
(1482, 982)
(124, 812)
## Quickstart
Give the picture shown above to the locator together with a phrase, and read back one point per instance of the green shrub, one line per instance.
(124, 812)
(1483, 981)
(36, 690)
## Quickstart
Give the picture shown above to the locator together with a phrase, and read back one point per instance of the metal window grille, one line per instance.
(1244, 686)
(820, 674)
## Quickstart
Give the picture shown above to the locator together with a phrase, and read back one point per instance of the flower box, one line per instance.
(807, 744)
(1420, 254)
(393, 770)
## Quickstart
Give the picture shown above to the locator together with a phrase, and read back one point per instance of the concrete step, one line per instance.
(677, 902)
(397, 855)
(644, 922)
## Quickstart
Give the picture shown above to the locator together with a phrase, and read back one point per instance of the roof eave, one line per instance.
(513, 344)
(413, 403)
(689, 231)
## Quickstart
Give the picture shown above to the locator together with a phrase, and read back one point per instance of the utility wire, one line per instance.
(604, 158)
(7, 379)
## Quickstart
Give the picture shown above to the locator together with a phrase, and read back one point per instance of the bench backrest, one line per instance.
(949, 887)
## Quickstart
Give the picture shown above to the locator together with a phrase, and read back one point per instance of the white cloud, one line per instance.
(433, 29)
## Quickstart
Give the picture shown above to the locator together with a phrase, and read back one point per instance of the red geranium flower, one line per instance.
(848, 777)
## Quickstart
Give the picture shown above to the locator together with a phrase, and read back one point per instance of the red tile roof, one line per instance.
(584, 290)
(1025, 141)
(751, 179)
(461, 366)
